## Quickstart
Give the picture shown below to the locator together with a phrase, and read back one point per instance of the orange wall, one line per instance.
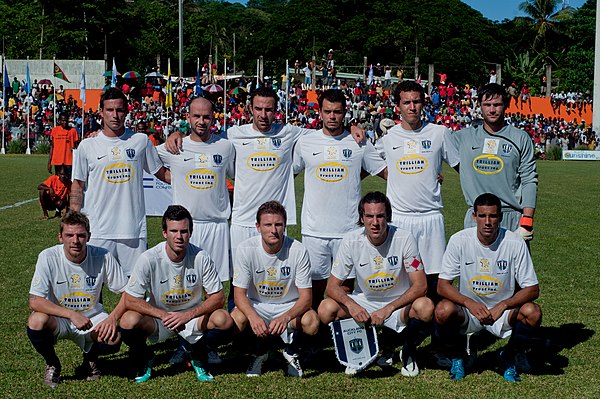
(541, 105)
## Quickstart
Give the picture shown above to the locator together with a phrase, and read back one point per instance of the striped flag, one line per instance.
(113, 79)
(169, 99)
(82, 90)
(198, 90)
(58, 73)
(27, 79)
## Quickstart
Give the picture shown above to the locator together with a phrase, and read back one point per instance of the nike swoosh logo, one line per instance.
(186, 159)
(395, 148)
(249, 142)
(101, 157)
(164, 281)
(475, 148)
(316, 153)
(469, 263)
(260, 271)
(363, 264)
(61, 282)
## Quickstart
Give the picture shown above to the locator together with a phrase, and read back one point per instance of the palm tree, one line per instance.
(545, 16)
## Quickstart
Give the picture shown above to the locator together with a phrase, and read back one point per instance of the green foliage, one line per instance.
(41, 147)
(553, 153)
(522, 69)
(15, 147)
(582, 147)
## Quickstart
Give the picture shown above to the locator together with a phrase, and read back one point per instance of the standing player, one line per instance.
(263, 168)
(64, 297)
(176, 274)
(333, 162)
(63, 140)
(489, 261)
(414, 151)
(499, 159)
(199, 180)
(113, 163)
(390, 282)
(273, 289)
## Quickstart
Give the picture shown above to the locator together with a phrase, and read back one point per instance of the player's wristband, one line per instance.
(526, 221)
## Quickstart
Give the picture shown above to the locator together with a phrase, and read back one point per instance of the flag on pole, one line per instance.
(198, 90)
(169, 99)
(82, 93)
(58, 73)
(370, 78)
(27, 79)
(5, 86)
(113, 79)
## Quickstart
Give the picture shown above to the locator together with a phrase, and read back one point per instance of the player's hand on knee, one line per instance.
(175, 320)
(81, 322)
(378, 317)
(259, 327)
(107, 330)
(359, 314)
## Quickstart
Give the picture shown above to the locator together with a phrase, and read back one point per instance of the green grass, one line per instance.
(565, 253)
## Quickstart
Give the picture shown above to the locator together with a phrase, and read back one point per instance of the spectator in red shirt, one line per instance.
(54, 192)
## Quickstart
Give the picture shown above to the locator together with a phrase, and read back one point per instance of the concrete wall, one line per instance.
(44, 69)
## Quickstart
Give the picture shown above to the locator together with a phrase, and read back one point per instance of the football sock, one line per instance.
(43, 342)
(135, 338)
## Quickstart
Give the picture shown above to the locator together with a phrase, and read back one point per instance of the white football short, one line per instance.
(213, 237)
(501, 328)
(271, 311)
(65, 329)
(127, 251)
(321, 252)
(428, 231)
(394, 322)
(191, 333)
(238, 235)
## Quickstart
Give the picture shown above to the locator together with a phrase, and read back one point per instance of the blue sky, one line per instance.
(497, 10)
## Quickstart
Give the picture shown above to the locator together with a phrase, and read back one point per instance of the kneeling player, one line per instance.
(176, 274)
(390, 281)
(489, 262)
(273, 290)
(64, 297)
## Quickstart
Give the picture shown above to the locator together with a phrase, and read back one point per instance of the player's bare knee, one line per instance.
(444, 311)
(423, 309)
(240, 321)
(310, 322)
(328, 310)
(220, 319)
(38, 321)
(531, 314)
(130, 319)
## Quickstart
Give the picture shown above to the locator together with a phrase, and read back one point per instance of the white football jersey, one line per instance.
(113, 168)
(263, 170)
(488, 275)
(174, 286)
(414, 160)
(382, 271)
(332, 181)
(198, 177)
(272, 278)
(77, 286)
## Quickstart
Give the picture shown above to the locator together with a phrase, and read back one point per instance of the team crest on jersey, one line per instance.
(507, 148)
(191, 279)
(75, 280)
(261, 143)
(271, 273)
(331, 152)
(90, 281)
(411, 147)
(276, 142)
(356, 345)
(347, 153)
(378, 260)
(130, 153)
(177, 281)
(484, 265)
(393, 260)
(217, 159)
(502, 265)
(115, 152)
(426, 144)
(285, 271)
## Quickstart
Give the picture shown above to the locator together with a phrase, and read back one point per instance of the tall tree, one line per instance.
(546, 16)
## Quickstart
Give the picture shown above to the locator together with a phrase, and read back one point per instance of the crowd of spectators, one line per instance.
(369, 104)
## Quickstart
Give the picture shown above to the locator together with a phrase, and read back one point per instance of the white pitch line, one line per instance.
(17, 204)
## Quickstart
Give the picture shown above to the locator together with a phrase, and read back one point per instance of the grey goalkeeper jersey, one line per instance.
(501, 163)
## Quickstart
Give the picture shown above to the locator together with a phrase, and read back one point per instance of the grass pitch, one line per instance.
(565, 253)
